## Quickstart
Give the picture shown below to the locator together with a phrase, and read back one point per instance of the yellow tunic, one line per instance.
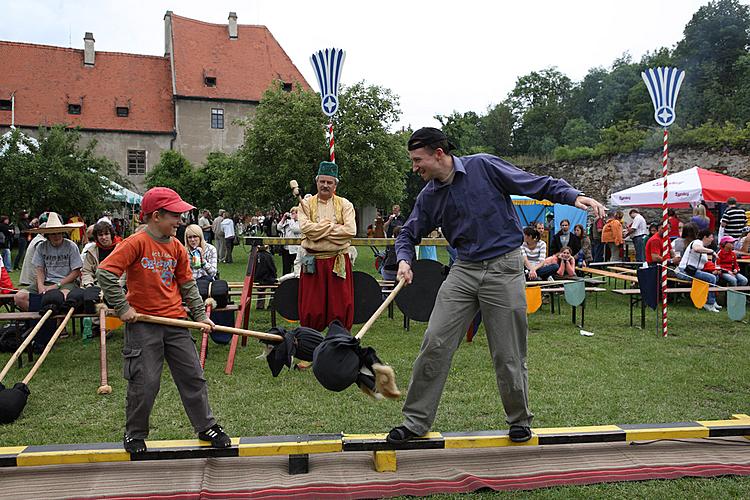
(326, 233)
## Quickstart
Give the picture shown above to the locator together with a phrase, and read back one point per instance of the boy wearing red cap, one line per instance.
(158, 279)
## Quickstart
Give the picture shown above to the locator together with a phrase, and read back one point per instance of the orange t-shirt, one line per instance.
(155, 272)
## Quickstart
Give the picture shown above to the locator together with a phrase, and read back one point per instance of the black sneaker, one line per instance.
(400, 435)
(133, 445)
(217, 437)
(519, 433)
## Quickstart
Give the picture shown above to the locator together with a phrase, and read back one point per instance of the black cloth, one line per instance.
(265, 269)
(338, 360)
(300, 343)
(555, 245)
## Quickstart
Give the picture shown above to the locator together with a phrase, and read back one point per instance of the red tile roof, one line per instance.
(46, 79)
(243, 67)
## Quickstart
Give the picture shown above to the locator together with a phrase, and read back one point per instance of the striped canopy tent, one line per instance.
(123, 194)
(686, 188)
(530, 210)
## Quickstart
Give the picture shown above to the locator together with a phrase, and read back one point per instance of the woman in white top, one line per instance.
(289, 228)
(202, 255)
(692, 263)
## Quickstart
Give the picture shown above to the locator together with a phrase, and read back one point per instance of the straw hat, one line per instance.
(55, 225)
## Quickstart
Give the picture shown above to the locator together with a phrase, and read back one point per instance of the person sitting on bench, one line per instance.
(534, 252)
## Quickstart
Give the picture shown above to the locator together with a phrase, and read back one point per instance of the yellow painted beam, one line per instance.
(649, 433)
(486, 441)
(384, 461)
(12, 450)
(290, 448)
(576, 430)
(183, 443)
(72, 457)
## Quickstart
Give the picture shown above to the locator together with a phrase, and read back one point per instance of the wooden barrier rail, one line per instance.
(299, 447)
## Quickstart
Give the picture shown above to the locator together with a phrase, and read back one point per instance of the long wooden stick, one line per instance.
(204, 338)
(25, 344)
(104, 387)
(183, 323)
(382, 308)
(49, 346)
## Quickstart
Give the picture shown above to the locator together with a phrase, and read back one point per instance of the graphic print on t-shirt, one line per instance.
(161, 263)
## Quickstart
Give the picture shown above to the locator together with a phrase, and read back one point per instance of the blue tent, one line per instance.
(530, 210)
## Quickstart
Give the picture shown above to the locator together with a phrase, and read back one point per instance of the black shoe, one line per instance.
(519, 433)
(400, 435)
(217, 436)
(133, 445)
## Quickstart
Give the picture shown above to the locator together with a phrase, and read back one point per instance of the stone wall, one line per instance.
(601, 177)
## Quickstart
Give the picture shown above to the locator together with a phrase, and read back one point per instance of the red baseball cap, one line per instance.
(163, 197)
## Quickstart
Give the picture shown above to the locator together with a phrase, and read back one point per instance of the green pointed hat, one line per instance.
(328, 168)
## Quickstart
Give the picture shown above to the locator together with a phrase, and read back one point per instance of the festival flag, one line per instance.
(575, 293)
(736, 304)
(699, 293)
(648, 282)
(533, 299)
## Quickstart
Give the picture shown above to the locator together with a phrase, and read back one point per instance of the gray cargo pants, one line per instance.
(497, 288)
(146, 348)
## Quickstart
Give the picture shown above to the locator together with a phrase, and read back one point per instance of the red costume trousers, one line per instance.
(324, 296)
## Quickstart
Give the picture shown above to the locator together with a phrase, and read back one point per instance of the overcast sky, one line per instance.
(437, 56)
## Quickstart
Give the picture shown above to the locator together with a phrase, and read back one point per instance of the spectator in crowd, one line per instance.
(543, 236)
(564, 238)
(689, 233)
(584, 255)
(734, 220)
(694, 261)
(711, 219)
(612, 236)
(78, 236)
(202, 255)
(104, 241)
(23, 238)
(727, 262)
(28, 273)
(288, 227)
(227, 229)
(638, 231)
(6, 240)
(6, 284)
(394, 220)
(328, 224)
(566, 267)
(57, 263)
(204, 221)
(654, 248)
(675, 224)
(597, 247)
(218, 231)
(699, 217)
(534, 252)
(742, 246)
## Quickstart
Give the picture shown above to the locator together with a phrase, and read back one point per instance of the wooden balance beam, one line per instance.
(299, 447)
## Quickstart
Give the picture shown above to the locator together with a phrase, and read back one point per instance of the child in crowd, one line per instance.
(158, 280)
(727, 261)
(564, 259)
(534, 252)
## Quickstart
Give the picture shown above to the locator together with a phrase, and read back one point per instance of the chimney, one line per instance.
(88, 50)
(168, 33)
(232, 25)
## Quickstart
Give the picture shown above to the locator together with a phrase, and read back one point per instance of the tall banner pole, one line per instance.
(327, 65)
(663, 86)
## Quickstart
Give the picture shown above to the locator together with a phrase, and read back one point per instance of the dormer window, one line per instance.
(74, 109)
(122, 111)
(6, 105)
(210, 81)
(287, 87)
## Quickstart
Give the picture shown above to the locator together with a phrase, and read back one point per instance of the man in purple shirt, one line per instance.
(469, 198)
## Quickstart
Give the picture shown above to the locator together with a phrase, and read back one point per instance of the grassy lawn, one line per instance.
(620, 375)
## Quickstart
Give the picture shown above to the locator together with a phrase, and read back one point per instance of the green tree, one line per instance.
(57, 175)
(578, 132)
(464, 131)
(173, 171)
(496, 128)
(285, 141)
(714, 40)
(212, 181)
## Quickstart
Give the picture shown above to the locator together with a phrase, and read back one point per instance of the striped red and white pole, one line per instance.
(665, 235)
(330, 141)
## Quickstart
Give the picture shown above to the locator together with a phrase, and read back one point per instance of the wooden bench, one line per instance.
(634, 296)
(626, 278)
